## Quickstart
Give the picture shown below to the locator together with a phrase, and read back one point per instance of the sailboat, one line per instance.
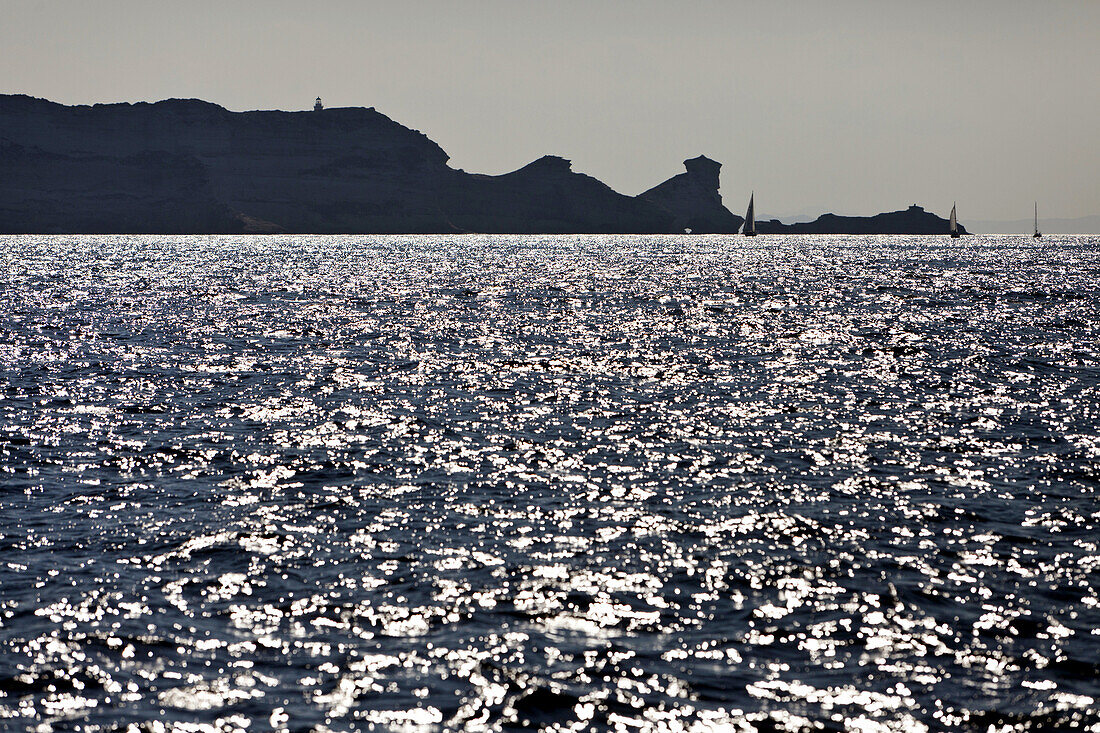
(750, 219)
(1038, 234)
(954, 223)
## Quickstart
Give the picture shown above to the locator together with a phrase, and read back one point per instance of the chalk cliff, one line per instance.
(190, 166)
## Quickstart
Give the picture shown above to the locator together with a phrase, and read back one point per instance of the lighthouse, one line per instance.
(317, 106)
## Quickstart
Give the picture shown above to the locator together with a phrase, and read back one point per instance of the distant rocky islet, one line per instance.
(188, 166)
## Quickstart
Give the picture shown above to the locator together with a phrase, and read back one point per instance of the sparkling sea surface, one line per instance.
(571, 483)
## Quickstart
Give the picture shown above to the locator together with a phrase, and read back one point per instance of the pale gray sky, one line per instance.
(852, 106)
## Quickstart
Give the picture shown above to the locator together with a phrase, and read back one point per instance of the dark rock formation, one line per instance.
(340, 170)
(693, 200)
(150, 191)
(914, 220)
(190, 166)
(546, 196)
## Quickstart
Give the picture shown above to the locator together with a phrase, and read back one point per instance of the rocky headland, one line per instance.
(188, 166)
(914, 220)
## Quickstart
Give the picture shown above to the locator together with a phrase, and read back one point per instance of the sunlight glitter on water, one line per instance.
(634, 483)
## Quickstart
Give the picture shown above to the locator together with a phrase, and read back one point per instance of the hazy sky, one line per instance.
(847, 106)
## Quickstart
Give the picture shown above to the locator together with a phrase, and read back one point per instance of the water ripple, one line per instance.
(481, 483)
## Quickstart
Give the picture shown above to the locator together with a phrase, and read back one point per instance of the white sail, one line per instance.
(750, 218)
(954, 222)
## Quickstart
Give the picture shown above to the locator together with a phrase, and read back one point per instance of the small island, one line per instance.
(185, 166)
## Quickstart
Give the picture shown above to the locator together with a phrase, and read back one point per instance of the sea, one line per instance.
(566, 483)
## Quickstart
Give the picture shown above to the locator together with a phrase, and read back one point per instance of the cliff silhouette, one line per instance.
(914, 220)
(189, 166)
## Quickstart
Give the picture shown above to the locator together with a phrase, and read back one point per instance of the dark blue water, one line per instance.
(631, 483)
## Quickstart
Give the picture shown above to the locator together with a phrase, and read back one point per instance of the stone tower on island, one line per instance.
(317, 106)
